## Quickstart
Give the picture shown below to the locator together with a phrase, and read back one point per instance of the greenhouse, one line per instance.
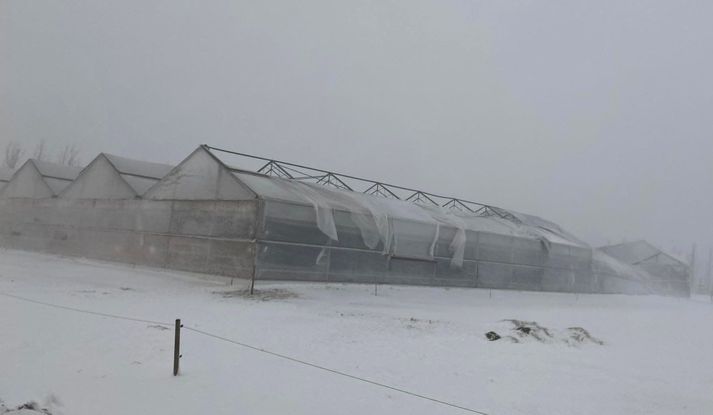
(113, 177)
(38, 179)
(668, 274)
(316, 227)
(242, 216)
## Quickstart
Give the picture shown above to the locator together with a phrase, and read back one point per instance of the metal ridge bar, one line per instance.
(495, 210)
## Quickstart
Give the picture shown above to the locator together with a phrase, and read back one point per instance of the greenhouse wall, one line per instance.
(291, 247)
(205, 216)
(281, 241)
(201, 236)
(669, 279)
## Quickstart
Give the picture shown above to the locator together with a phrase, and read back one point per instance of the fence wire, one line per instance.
(254, 348)
(79, 310)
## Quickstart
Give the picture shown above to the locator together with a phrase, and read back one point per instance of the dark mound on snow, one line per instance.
(520, 331)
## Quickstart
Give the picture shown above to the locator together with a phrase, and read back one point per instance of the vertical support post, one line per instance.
(254, 273)
(252, 282)
(177, 347)
(260, 225)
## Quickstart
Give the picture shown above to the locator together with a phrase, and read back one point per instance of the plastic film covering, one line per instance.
(211, 217)
(614, 276)
(545, 230)
(39, 179)
(138, 174)
(400, 228)
(317, 233)
(667, 273)
(139, 167)
(56, 171)
(387, 219)
(199, 177)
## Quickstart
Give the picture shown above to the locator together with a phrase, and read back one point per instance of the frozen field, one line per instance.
(657, 356)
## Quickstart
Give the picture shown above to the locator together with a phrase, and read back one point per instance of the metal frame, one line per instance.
(292, 171)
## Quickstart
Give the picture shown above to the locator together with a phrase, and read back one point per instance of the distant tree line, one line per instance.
(14, 153)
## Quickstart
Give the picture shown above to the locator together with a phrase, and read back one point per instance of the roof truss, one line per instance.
(292, 171)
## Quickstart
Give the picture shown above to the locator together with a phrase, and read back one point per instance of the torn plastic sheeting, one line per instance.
(402, 227)
(374, 227)
(432, 250)
(603, 263)
(390, 229)
(413, 239)
(371, 219)
(322, 209)
(373, 216)
(546, 229)
(457, 245)
(297, 192)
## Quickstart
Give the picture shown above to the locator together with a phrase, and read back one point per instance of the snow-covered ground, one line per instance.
(657, 356)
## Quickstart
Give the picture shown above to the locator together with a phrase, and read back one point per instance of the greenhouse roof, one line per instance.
(113, 177)
(330, 191)
(275, 188)
(38, 179)
(56, 176)
(207, 175)
(140, 175)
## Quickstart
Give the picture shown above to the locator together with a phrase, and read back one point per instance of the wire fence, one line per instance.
(254, 348)
(79, 310)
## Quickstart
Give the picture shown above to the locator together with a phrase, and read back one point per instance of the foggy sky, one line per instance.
(594, 114)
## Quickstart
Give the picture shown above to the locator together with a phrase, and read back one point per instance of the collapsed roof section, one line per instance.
(668, 274)
(604, 264)
(113, 177)
(38, 179)
(642, 252)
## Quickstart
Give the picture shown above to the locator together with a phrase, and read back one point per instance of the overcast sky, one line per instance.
(597, 115)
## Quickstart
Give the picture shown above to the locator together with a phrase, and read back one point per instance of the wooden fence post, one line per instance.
(177, 347)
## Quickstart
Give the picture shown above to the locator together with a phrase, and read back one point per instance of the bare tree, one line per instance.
(41, 151)
(69, 156)
(13, 154)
